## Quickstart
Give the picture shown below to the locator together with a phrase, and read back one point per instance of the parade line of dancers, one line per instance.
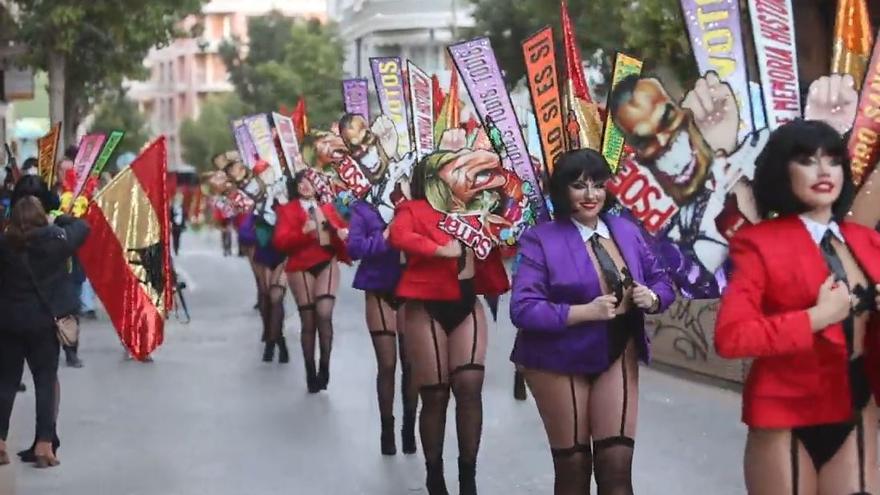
(805, 310)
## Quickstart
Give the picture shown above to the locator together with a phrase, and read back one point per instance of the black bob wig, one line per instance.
(569, 168)
(796, 141)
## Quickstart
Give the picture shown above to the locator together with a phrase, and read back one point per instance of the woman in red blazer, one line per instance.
(446, 329)
(802, 302)
(313, 237)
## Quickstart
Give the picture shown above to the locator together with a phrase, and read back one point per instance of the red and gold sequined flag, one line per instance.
(127, 257)
(853, 40)
(583, 125)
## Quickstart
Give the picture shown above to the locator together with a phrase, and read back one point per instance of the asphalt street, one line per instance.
(208, 417)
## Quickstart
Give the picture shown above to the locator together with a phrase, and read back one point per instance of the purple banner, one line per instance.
(716, 39)
(246, 148)
(354, 95)
(388, 78)
(476, 62)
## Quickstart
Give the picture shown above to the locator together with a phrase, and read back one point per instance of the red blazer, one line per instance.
(415, 232)
(303, 250)
(798, 377)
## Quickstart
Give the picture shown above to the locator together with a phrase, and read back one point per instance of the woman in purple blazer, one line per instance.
(583, 285)
(377, 276)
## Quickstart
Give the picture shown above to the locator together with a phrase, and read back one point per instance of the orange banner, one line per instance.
(864, 141)
(47, 147)
(544, 86)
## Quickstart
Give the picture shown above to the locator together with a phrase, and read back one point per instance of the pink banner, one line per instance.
(289, 145)
(422, 100)
(89, 149)
(773, 31)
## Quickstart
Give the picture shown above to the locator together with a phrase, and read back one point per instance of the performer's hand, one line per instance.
(832, 306)
(386, 233)
(834, 100)
(715, 111)
(451, 250)
(644, 298)
(310, 226)
(602, 308)
(342, 233)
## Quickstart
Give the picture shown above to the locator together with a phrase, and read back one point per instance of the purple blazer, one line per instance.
(554, 273)
(379, 268)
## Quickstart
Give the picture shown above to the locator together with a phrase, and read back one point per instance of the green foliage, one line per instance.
(210, 134)
(288, 59)
(104, 41)
(652, 30)
(115, 112)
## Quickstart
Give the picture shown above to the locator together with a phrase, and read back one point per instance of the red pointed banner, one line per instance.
(583, 125)
(127, 256)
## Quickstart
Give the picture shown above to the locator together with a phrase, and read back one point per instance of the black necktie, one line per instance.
(836, 267)
(608, 267)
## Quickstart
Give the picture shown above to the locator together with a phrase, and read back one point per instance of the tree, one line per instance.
(288, 59)
(210, 134)
(652, 30)
(116, 112)
(87, 47)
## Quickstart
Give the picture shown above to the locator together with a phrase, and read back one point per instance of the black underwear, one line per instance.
(316, 270)
(390, 299)
(823, 441)
(451, 314)
(620, 330)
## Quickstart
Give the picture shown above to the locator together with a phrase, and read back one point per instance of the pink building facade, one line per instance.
(186, 72)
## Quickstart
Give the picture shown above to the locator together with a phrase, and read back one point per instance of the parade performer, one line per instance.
(802, 302)
(247, 246)
(583, 284)
(446, 327)
(313, 237)
(377, 275)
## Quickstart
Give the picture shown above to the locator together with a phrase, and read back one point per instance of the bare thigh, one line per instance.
(562, 402)
(842, 474)
(426, 346)
(302, 286)
(614, 398)
(468, 342)
(768, 464)
(380, 316)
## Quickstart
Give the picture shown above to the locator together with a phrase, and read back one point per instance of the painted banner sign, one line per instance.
(388, 78)
(354, 96)
(612, 136)
(352, 176)
(289, 145)
(717, 42)
(89, 148)
(261, 134)
(773, 31)
(107, 152)
(544, 87)
(637, 190)
(47, 147)
(476, 62)
(864, 142)
(422, 100)
(243, 142)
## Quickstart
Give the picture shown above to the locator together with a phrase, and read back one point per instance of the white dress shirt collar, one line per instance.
(586, 232)
(817, 230)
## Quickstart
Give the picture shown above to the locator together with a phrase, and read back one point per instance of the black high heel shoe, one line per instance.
(387, 437)
(283, 354)
(312, 378)
(269, 352)
(324, 376)
(467, 477)
(435, 481)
